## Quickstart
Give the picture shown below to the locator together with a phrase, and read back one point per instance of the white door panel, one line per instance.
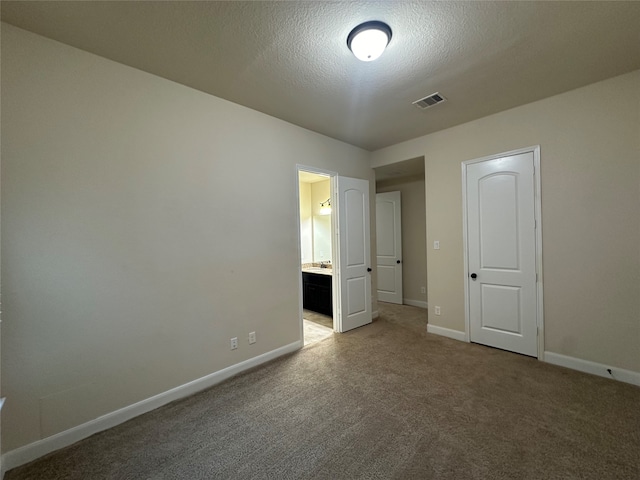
(354, 282)
(356, 295)
(386, 279)
(498, 220)
(501, 308)
(389, 247)
(502, 253)
(385, 210)
(355, 223)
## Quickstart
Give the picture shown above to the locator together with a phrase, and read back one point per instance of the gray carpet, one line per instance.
(385, 401)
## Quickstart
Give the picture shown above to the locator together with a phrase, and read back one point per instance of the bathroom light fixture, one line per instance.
(368, 40)
(325, 207)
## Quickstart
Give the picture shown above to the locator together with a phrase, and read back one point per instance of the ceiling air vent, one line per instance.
(429, 101)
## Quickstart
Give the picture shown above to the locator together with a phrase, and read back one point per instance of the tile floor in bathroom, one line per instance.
(316, 327)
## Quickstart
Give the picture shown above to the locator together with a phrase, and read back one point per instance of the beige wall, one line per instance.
(320, 191)
(315, 238)
(414, 254)
(134, 240)
(306, 224)
(590, 176)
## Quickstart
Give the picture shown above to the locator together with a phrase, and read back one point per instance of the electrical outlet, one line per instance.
(436, 245)
(423, 289)
(234, 343)
(252, 337)
(437, 310)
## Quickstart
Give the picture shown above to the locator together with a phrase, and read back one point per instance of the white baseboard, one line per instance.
(35, 450)
(594, 368)
(415, 303)
(375, 314)
(1, 461)
(446, 332)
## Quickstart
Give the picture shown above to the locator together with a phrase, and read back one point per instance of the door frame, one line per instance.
(335, 267)
(538, 240)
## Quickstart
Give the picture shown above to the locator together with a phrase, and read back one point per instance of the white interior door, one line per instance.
(501, 242)
(389, 247)
(353, 304)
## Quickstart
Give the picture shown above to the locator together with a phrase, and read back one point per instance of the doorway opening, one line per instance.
(401, 240)
(316, 254)
(341, 279)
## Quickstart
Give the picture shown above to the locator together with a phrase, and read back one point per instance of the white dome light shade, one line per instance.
(368, 40)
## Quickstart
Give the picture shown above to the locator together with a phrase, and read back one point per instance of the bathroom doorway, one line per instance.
(316, 254)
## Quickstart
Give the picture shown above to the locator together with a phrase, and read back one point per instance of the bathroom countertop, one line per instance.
(321, 271)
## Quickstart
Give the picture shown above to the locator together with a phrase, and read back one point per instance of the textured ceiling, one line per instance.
(290, 60)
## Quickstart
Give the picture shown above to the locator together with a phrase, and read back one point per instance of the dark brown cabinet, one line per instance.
(316, 293)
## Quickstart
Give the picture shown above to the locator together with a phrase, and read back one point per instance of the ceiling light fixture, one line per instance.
(368, 40)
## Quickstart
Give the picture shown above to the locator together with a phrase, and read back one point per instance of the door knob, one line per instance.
(474, 276)
(368, 269)
(397, 261)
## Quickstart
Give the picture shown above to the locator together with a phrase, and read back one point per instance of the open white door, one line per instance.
(389, 247)
(354, 271)
(501, 231)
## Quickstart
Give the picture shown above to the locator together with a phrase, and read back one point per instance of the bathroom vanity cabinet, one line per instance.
(316, 292)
